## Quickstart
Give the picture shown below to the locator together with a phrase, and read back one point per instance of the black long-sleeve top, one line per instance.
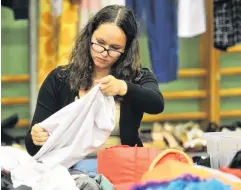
(143, 96)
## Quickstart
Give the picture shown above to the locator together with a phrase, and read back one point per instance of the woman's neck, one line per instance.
(101, 73)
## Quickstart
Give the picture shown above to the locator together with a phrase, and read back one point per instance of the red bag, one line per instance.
(124, 164)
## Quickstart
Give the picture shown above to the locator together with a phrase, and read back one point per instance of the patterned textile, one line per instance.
(227, 23)
(68, 31)
(46, 39)
(57, 32)
(60, 22)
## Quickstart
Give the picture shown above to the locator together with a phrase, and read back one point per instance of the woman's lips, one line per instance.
(100, 59)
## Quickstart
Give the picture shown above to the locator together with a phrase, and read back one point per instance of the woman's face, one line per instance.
(109, 37)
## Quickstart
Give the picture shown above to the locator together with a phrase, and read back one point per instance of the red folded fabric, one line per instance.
(233, 171)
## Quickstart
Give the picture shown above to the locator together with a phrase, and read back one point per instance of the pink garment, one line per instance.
(89, 8)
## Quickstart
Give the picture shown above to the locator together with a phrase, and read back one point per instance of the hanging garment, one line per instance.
(75, 131)
(191, 18)
(47, 37)
(68, 30)
(20, 8)
(58, 29)
(227, 23)
(89, 8)
(161, 24)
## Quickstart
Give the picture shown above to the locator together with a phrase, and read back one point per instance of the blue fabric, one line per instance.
(187, 182)
(161, 25)
(88, 166)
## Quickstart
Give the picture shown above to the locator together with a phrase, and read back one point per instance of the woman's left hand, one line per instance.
(111, 86)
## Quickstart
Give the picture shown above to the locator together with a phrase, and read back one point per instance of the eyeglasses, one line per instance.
(100, 49)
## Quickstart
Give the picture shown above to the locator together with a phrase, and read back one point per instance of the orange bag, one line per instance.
(124, 164)
(234, 171)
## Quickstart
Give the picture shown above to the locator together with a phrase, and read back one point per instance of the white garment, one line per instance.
(191, 18)
(87, 10)
(75, 131)
(40, 176)
(78, 129)
(11, 157)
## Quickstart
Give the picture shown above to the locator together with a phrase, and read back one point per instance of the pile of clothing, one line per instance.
(178, 176)
(173, 169)
(170, 169)
(73, 134)
(74, 179)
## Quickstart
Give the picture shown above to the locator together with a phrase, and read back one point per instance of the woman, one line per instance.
(106, 52)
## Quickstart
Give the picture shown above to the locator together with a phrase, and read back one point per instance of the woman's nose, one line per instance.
(104, 53)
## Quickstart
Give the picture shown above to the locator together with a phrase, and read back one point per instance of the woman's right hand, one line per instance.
(39, 135)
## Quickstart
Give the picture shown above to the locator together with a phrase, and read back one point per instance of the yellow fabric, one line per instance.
(68, 31)
(173, 154)
(56, 36)
(46, 49)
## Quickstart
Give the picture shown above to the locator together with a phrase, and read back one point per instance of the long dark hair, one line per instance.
(127, 67)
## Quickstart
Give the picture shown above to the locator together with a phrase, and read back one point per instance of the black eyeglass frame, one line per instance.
(105, 49)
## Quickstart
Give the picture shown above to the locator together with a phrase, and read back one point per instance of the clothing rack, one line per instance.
(216, 74)
(209, 93)
(211, 73)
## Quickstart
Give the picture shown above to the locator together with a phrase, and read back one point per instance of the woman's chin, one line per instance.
(101, 65)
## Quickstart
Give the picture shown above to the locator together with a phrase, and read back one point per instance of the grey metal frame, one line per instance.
(33, 52)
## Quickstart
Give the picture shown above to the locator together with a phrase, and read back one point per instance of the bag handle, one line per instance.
(120, 146)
